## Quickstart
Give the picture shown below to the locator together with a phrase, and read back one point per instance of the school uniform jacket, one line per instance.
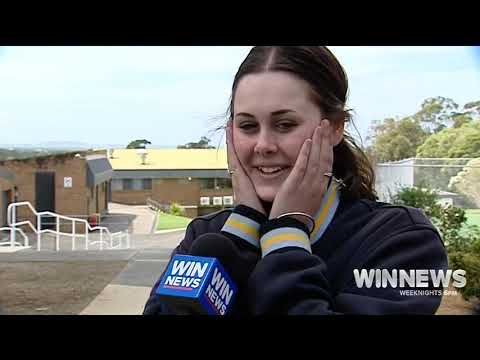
(288, 271)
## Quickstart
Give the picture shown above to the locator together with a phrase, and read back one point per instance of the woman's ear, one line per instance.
(337, 133)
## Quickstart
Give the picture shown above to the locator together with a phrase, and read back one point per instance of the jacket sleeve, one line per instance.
(289, 279)
(241, 227)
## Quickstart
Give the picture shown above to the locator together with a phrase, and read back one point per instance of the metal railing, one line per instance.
(155, 205)
(14, 226)
(11, 242)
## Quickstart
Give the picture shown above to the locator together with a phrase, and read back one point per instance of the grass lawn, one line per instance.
(473, 216)
(167, 221)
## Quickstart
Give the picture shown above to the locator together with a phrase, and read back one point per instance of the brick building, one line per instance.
(69, 184)
(194, 178)
(6, 194)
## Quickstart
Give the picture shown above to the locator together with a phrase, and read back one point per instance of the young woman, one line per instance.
(306, 216)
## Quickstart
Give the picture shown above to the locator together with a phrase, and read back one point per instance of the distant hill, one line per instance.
(18, 153)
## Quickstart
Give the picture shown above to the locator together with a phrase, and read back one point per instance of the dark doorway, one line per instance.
(3, 208)
(45, 197)
(108, 194)
(97, 210)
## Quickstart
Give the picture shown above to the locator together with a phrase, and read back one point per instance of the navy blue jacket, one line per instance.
(292, 278)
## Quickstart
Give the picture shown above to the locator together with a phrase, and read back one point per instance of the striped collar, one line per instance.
(325, 214)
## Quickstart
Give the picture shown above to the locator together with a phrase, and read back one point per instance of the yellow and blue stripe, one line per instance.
(284, 237)
(325, 214)
(243, 227)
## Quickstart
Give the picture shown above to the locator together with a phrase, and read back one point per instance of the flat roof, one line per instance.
(169, 159)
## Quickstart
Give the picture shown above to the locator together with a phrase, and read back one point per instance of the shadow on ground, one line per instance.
(118, 221)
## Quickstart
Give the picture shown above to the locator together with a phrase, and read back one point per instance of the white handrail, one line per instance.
(11, 242)
(11, 219)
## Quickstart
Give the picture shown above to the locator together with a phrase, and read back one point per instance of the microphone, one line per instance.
(199, 283)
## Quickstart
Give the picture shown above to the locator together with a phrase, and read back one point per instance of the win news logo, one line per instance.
(201, 281)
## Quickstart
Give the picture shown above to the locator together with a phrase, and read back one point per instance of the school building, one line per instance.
(6, 194)
(197, 179)
(71, 184)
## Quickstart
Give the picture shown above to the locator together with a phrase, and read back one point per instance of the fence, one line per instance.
(106, 238)
(455, 180)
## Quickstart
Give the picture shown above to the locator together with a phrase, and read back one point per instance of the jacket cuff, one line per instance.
(244, 222)
(284, 232)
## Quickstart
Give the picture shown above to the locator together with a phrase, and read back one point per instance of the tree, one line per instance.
(138, 144)
(202, 144)
(467, 181)
(463, 141)
(436, 114)
(441, 128)
(396, 139)
(473, 108)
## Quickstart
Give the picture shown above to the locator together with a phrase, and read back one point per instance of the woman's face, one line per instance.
(274, 115)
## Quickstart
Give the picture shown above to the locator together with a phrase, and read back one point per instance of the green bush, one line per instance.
(176, 209)
(470, 262)
(418, 197)
(461, 241)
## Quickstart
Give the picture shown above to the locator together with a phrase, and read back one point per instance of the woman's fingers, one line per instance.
(326, 152)
(299, 169)
(321, 154)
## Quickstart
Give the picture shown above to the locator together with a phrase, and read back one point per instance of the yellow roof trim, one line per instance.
(169, 159)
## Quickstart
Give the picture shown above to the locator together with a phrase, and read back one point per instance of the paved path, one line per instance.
(147, 257)
(141, 218)
(129, 290)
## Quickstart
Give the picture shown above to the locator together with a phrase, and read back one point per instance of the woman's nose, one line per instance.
(266, 144)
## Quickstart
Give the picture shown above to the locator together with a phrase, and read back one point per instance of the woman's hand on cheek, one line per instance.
(306, 184)
(243, 190)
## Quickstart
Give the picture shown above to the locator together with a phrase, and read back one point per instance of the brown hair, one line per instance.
(329, 83)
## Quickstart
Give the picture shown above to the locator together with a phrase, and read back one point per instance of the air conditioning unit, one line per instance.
(217, 200)
(204, 200)
(228, 200)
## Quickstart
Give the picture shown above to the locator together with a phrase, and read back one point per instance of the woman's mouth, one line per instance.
(271, 171)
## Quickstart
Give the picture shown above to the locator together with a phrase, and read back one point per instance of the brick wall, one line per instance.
(6, 188)
(68, 201)
(5, 184)
(182, 191)
(131, 197)
(166, 191)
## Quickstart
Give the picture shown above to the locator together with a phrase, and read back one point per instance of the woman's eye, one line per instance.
(286, 125)
(247, 126)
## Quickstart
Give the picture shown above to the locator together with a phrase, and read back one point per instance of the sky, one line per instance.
(173, 95)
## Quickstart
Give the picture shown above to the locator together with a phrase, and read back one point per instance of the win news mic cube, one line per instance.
(197, 285)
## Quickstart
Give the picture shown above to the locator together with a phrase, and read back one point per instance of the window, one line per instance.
(147, 184)
(137, 184)
(127, 184)
(215, 183)
(228, 200)
(207, 183)
(131, 184)
(117, 185)
(223, 183)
